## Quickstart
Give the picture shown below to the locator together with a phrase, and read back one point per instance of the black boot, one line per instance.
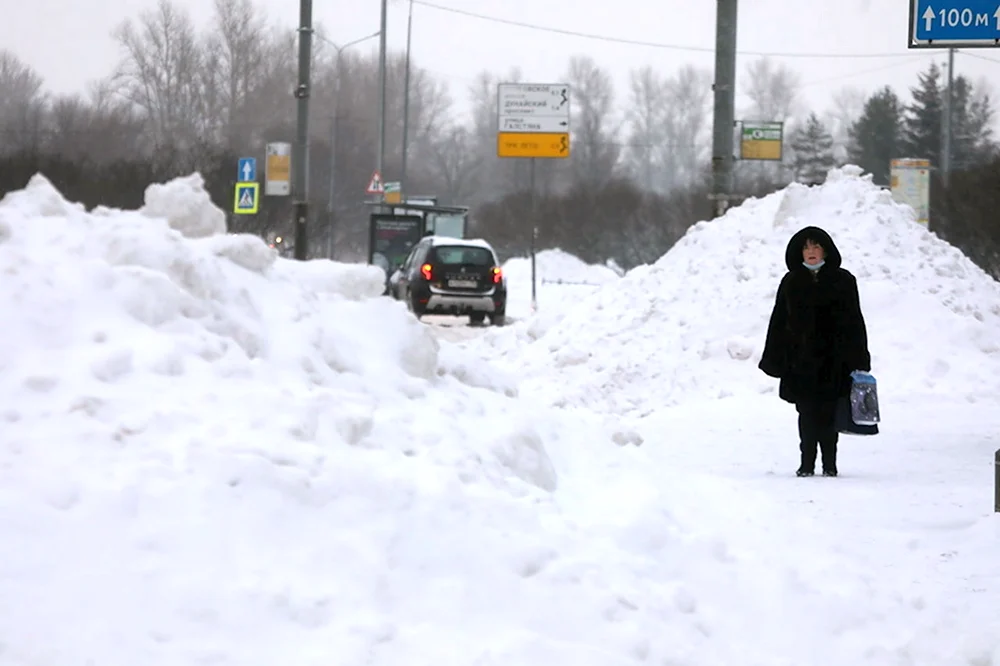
(829, 449)
(808, 465)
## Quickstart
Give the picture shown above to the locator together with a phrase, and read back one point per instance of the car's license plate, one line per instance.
(462, 284)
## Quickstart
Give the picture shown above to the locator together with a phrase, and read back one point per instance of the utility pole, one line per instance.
(380, 157)
(406, 100)
(946, 121)
(534, 235)
(334, 129)
(300, 154)
(725, 104)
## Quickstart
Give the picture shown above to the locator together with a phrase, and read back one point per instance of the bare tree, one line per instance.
(159, 74)
(773, 92)
(668, 120)
(429, 122)
(97, 129)
(595, 150)
(688, 126)
(234, 67)
(270, 102)
(456, 165)
(22, 103)
(646, 127)
(847, 106)
(73, 134)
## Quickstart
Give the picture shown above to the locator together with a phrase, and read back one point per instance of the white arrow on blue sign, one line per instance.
(954, 23)
(246, 172)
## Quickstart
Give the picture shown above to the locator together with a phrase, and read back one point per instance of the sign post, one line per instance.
(533, 121)
(278, 170)
(761, 141)
(945, 24)
(910, 182)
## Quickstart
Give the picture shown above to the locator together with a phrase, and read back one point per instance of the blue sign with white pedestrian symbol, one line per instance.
(954, 23)
(246, 172)
(247, 199)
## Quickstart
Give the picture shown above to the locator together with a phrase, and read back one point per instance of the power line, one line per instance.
(654, 45)
(979, 57)
(452, 78)
(871, 70)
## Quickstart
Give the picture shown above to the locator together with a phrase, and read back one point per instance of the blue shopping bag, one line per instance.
(858, 411)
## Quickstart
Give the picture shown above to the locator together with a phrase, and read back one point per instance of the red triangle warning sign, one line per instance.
(375, 185)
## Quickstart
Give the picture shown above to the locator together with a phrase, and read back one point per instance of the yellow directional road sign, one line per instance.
(247, 199)
(530, 144)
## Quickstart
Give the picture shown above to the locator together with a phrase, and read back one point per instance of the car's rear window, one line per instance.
(454, 255)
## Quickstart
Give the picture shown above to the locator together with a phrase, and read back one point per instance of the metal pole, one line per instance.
(725, 104)
(380, 157)
(334, 130)
(406, 100)
(946, 121)
(534, 232)
(300, 154)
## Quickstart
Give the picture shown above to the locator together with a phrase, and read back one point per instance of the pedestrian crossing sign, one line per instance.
(246, 201)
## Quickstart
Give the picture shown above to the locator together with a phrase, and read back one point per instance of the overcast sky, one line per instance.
(832, 43)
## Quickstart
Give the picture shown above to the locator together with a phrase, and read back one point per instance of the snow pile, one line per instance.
(173, 399)
(209, 455)
(186, 206)
(692, 325)
(562, 280)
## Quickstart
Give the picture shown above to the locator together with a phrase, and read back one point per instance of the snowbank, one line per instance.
(561, 281)
(209, 455)
(692, 325)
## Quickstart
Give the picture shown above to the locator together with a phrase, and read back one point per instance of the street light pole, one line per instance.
(300, 155)
(335, 124)
(406, 101)
(380, 156)
(724, 120)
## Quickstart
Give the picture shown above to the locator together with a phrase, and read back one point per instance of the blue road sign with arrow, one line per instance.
(954, 23)
(246, 172)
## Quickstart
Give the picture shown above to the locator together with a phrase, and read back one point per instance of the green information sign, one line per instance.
(761, 141)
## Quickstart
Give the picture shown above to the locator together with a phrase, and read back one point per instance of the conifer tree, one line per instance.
(922, 122)
(972, 142)
(876, 138)
(812, 151)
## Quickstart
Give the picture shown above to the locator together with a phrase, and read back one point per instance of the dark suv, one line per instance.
(452, 276)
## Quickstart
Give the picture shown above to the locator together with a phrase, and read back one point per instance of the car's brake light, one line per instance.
(427, 271)
(497, 274)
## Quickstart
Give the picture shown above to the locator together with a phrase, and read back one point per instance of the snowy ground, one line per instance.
(209, 456)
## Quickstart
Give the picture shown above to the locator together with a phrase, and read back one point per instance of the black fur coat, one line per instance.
(817, 335)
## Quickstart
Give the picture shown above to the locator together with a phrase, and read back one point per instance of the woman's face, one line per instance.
(813, 253)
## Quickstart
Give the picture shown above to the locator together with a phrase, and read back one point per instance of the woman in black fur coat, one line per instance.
(815, 339)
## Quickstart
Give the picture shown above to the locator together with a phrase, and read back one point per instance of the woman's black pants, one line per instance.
(817, 427)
